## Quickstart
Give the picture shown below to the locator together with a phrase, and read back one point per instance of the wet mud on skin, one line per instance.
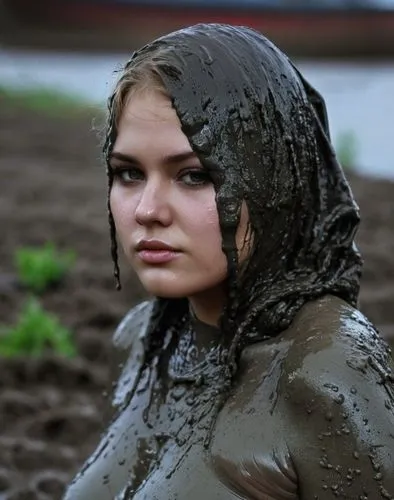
(51, 409)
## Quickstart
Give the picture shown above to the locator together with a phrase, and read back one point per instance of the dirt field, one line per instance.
(53, 188)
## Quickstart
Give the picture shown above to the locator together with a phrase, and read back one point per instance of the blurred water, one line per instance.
(360, 97)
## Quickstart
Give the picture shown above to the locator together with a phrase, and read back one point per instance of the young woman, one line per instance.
(251, 374)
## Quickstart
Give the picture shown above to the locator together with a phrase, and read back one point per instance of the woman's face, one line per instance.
(163, 202)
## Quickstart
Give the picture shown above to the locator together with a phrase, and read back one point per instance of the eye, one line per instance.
(195, 177)
(128, 175)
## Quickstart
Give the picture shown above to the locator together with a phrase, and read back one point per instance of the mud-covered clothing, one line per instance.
(310, 415)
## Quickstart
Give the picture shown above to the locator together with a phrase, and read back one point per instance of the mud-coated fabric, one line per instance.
(310, 416)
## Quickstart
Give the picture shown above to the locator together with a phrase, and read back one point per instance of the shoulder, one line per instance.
(328, 339)
(338, 398)
(128, 354)
(134, 325)
(317, 401)
(315, 408)
(331, 339)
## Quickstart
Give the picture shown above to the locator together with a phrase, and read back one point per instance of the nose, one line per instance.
(153, 206)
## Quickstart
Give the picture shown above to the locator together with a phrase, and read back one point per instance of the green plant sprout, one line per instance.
(40, 268)
(346, 149)
(36, 331)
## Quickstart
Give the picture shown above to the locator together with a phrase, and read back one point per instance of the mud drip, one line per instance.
(184, 359)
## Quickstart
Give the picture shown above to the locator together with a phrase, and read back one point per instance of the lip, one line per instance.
(154, 245)
(156, 252)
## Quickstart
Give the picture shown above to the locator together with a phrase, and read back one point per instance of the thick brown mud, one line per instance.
(53, 188)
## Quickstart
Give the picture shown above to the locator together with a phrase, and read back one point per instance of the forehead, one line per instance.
(148, 118)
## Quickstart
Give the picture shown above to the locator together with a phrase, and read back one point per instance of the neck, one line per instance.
(208, 306)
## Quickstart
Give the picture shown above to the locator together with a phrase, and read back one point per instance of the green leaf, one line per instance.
(36, 332)
(39, 268)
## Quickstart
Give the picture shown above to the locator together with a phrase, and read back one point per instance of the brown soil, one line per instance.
(54, 188)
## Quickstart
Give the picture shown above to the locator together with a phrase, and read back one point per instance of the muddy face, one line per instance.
(164, 206)
(261, 132)
(162, 193)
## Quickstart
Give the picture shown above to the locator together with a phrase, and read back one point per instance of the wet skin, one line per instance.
(310, 416)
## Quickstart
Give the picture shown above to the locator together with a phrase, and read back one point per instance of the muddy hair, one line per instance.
(261, 131)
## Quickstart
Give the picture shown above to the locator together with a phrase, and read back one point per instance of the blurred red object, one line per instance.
(362, 30)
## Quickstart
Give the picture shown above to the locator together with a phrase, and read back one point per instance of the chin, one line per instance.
(172, 287)
(165, 291)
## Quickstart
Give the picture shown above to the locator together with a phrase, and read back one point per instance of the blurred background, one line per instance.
(58, 307)
(345, 48)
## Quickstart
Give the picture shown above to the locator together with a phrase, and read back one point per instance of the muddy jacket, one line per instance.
(310, 416)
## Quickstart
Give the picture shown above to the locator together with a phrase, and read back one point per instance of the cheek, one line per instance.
(204, 221)
(122, 209)
(202, 226)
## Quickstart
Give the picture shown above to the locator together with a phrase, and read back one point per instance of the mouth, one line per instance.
(154, 245)
(156, 252)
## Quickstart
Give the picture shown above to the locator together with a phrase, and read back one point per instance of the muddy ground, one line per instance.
(53, 187)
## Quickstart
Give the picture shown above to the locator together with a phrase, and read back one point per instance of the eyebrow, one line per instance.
(168, 159)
